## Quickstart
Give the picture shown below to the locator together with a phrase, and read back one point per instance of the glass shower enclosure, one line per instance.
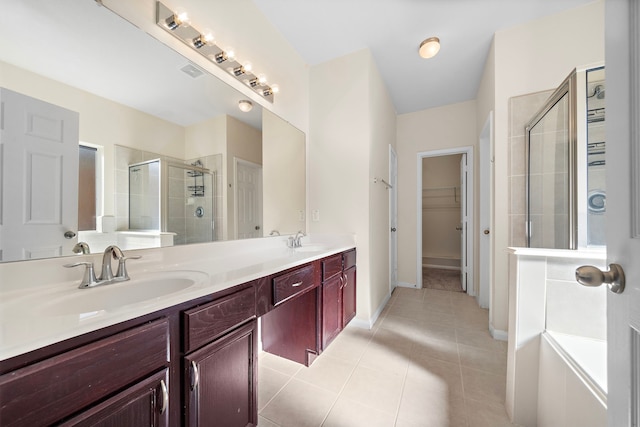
(172, 197)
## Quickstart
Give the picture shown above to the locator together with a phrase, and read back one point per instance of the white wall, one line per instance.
(352, 123)
(427, 130)
(528, 58)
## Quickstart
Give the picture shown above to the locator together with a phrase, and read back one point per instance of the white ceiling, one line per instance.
(321, 30)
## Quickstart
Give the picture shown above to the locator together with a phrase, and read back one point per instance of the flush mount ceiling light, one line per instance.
(429, 47)
(178, 24)
(245, 105)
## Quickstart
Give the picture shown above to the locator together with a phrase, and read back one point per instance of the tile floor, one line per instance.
(429, 361)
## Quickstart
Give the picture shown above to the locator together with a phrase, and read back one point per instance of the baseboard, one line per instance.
(497, 334)
(364, 324)
(407, 285)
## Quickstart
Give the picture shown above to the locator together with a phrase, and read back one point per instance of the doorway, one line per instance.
(248, 199)
(445, 219)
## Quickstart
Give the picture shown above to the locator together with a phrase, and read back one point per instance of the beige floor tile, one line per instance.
(436, 349)
(484, 386)
(483, 360)
(407, 304)
(440, 376)
(279, 364)
(431, 330)
(407, 293)
(482, 415)
(348, 413)
(375, 389)
(434, 295)
(480, 339)
(422, 403)
(263, 422)
(271, 382)
(327, 372)
(349, 345)
(402, 326)
(387, 338)
(386, 358)
(437, 307)
(299, 404)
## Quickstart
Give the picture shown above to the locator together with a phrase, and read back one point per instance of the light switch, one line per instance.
(315, 215)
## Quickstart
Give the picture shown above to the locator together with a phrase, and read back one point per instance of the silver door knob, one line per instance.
(589, 275)
(393, 229)
(486, 231)
(69, 234)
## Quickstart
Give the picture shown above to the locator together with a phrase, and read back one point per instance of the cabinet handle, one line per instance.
(165, 397)
(195, 375)
(295, 285)
(346, 280)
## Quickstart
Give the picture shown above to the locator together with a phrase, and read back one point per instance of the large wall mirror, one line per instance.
(162, 154)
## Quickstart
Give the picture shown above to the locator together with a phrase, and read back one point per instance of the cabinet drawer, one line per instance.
(47, 391)
(291, 284)
(349, 259)
(205, 323)
(331, 266)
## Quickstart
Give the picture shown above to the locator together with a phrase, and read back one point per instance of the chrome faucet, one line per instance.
(274, 233)
(107, 272)
(296, 240)
(89, 279)
(81, 248)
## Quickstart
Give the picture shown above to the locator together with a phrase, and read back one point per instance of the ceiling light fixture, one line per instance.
(429, 47)
(245, 105)
(176, 22)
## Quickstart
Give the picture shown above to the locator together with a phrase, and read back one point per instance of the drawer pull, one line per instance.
(165, 397)
(295, 285)
(195, 375)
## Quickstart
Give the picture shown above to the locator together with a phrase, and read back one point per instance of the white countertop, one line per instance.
(29, 291)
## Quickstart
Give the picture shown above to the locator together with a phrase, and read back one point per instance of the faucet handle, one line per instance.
(122, 273)
(89, 278)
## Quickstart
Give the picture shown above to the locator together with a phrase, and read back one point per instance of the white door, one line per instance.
(39, 178)
(248, 199)
(484, 256)
(393, 219)
(623, 209)
(464, 221)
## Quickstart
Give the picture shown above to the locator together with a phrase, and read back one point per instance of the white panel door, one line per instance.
(623, 208)
(39, 184)
(464, 222)
(248, 200)
(393, 220)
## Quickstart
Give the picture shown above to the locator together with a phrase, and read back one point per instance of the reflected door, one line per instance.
(248, 200)
(39, 178)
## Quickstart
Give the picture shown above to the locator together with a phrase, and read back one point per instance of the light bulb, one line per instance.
(275, 88)
(429, 47)
(262, 79)
(230, 54)
(180, 18)
(247, 67)
(245, 105)
(204, 39)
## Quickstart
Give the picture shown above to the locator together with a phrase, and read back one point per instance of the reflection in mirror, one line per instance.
(138, 100)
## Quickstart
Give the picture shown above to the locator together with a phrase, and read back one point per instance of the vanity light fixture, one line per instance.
(176, 22)
(429, 47)
(245, 105)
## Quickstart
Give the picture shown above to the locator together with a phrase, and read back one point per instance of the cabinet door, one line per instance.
(220, 381)
(349, 296)
(331, 309)
(143, 404)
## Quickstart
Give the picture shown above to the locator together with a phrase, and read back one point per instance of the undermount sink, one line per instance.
(311, 248)
(147, 288)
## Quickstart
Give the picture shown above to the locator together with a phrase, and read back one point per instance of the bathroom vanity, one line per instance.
(189, 363)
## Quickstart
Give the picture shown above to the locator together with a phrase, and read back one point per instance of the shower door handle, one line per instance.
(459, 228)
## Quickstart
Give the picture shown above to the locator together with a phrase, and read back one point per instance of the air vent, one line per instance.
(192, 71)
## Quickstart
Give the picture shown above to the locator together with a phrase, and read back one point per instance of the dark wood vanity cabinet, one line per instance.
(220, 367)
(193, 364)
(338, 294)
(118, 380)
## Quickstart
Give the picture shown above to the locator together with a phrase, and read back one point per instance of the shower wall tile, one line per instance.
(518, 195)
(517, 156)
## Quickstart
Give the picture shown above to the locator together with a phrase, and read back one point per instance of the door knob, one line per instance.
(589, 275)
(393, 229)
(459, 228)
(257, 227)
(69, 234)
(486, 231)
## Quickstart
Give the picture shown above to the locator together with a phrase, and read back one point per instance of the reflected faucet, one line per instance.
(81, 248)
(274, 233)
